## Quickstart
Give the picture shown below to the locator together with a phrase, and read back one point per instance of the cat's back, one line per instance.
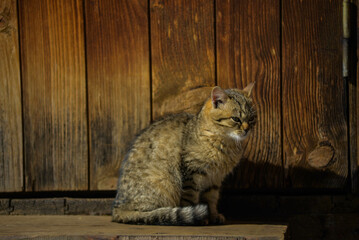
(152, 165)
(165, 132)
(159, 146)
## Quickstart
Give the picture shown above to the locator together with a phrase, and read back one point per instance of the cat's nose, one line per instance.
(245, 126)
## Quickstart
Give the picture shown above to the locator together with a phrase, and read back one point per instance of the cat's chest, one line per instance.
(214, 168)
(214, 178)
(212, 157)
(222, 156)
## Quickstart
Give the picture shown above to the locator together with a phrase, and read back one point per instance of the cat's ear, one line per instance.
(248, 89)
(218, 96)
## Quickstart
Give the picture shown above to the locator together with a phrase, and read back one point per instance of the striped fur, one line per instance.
(173, 172)
(191, 215)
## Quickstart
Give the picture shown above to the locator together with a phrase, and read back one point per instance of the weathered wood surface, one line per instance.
(98, 227)
(248, 50)
(181, 45)
(97, 206)
(47, 206)
(233, 207)
(315, 143)
(54, 95)
(11, 151)
(183, 59)
(354, 96)
(56, 206)
(118, 83)
(5, 206)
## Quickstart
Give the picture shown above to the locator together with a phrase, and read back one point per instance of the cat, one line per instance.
(173, 172)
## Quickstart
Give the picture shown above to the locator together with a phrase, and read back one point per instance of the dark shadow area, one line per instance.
(307, 216)
(352, 96)
(251, 177)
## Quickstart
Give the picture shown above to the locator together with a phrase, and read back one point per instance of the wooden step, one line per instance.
(101, 227)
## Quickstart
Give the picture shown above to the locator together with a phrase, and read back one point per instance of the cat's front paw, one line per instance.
(217, 219)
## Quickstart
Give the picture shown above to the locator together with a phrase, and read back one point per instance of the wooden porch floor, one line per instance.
(101, 227)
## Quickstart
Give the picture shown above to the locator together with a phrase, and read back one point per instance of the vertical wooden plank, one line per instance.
(54, 94)
(11, 152)
(183, 61)
(354, 94)
(314, 123)
(118, 83)
(248, 48)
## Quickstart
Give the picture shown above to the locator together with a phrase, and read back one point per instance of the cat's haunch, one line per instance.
(174, 170)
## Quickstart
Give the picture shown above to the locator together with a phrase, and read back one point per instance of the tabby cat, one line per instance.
(173, 172)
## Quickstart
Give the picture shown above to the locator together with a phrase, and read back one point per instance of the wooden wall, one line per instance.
(79, 78)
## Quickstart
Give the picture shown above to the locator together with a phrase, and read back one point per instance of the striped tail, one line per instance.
(191, 215)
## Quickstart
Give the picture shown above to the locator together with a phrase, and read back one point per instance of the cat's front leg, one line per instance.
(190, 194)
(211, 196)
(191, 185)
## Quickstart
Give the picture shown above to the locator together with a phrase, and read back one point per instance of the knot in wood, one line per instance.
(322, 156)
(5, 20)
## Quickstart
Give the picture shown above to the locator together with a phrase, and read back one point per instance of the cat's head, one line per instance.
(232, 111)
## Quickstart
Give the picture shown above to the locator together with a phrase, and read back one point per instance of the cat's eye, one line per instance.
(236, 119)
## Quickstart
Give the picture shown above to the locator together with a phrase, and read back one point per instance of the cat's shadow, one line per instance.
(263, 177)
(247, 198)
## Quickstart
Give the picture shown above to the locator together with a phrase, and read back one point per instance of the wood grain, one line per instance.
(235, 207)
(54, 95)
(354, 96)
(11, 151)
(313, 95)
(118, 83)
(248, 50)
(37, 206)
(88, 206)
(183, 60)
(101, 227)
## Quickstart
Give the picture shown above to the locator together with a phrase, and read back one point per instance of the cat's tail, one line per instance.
(191, 215)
